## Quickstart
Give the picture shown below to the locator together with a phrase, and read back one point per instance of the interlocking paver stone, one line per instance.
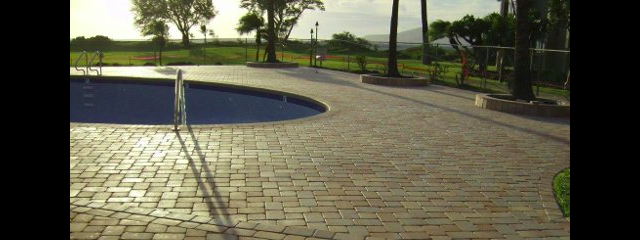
(388, 161)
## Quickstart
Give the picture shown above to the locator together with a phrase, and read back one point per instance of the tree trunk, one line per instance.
(504, 12)
(522, 82)
(392, 64)
(160, 56)
(258, 42)
(185, 40)
(271, 45)
(425, 34)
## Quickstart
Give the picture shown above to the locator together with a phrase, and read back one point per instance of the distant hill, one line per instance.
(409, 36)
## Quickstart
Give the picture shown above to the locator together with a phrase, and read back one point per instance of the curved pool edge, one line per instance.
(330, 110)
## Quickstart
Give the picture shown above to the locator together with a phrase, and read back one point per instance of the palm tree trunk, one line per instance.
(258, 42)
(504, 11)
(271, 46)
(425, 34)
(522, 82)
(392, 64)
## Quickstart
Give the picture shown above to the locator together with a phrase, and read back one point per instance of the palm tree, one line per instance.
(271, 31)
(392, 64)
(250, 22)
(425, 33)
(504, 12)
(521, 88)
(203, 30)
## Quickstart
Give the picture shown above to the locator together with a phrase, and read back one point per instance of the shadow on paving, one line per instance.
(214, 211)
(168, 70)
(328, 79)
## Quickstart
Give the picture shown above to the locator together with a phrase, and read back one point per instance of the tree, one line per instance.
(439, 29)
(348, 42)
(160, 32)
(250, 22)
(504, 12)
(289, 11)
(559, 22)
(183, 13)
(392, 64)
(521, 87)
(271, 32)
(203, 30)
(286, 12)
(425, 33)
(472, 29)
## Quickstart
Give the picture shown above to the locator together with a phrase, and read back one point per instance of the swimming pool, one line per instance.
(148, 102)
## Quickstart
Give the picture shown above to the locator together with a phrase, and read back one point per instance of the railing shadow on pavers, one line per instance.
(167, 70)
(328, 79)
(218, 199)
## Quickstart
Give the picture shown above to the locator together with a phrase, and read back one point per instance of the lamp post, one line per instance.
(311, 50)
(315, 62)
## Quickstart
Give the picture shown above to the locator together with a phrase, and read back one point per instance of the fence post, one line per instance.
(437, 47)
(246, 50)
(348, 63)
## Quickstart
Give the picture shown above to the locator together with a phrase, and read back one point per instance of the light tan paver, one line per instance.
(383, 162)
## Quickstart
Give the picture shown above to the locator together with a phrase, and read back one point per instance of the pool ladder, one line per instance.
(89, 63)
(180, 103)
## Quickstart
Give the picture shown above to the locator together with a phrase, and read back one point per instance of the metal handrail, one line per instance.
(84, 53)
(180, 105)
(99, 54)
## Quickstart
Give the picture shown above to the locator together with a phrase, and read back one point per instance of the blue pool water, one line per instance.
(145, 102)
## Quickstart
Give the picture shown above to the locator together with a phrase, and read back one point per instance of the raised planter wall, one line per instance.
(398, 82)
(525, 108)
(272, 65)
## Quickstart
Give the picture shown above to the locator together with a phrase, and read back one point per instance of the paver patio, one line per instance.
(397, 163)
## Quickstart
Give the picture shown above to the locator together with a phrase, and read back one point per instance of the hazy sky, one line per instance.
(113, 18)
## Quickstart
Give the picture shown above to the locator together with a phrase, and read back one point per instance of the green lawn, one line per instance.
(562, 189)
(228, 55)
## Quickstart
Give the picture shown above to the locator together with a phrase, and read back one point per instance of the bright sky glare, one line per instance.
(113, 18)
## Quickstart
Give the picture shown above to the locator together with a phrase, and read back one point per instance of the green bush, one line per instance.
(362, 63)
(562, 188)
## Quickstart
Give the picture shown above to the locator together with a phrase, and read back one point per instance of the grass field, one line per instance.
(229, 55)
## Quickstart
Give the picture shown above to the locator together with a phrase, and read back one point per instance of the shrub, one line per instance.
(362, 63)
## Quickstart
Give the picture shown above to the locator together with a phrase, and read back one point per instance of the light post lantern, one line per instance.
(311, 50)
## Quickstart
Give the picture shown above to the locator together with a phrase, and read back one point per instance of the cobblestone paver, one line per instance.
(383, 163)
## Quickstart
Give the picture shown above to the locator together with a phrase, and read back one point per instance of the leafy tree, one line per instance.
(183, 13)
(521, 86)
(349, 42)
(289, 11)
(471, 29)
(439, 29)
(97, 42)
(286, 12)
(250, 22)
(392, 64)
(160, 32)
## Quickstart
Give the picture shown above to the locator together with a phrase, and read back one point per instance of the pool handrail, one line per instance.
(84, 53)
(99, 54)
(179, 106)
